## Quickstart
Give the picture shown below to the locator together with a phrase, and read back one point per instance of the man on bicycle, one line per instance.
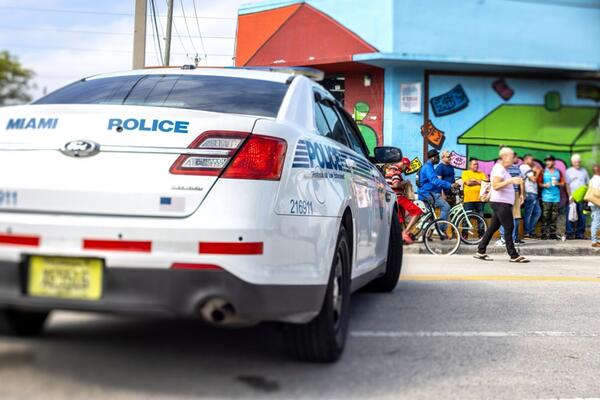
(430, 186)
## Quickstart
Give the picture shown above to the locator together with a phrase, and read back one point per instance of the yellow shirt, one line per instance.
(472, 192)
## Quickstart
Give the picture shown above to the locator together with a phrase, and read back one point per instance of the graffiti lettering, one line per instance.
(415, 166)
(552, 101)
(587, 91)
(449, 102)
(361, 110)
(433, 135)
(502, 88)
(458, 161)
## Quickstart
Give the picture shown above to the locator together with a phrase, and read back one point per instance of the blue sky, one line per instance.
(86, 37)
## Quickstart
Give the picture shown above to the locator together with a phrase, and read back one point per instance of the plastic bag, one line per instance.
(573, 212)
(485, 191)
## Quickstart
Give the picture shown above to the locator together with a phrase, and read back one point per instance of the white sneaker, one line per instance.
(500, 243)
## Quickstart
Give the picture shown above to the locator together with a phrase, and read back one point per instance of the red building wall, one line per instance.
(356, 92)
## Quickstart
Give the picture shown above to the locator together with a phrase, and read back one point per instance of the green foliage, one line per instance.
(14, 80)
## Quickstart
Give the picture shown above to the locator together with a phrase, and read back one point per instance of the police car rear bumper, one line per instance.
(181, 293)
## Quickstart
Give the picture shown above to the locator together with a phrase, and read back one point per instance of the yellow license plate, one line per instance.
(65, 277)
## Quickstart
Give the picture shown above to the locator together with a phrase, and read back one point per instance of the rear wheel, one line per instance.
(22, 323)
(471, 226)
(388, 281)
(323, 338)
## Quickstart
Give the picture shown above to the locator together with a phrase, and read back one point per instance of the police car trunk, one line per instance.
(133, 145)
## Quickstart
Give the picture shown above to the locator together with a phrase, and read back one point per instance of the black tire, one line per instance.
(460, 223)
(22, 323)
(323, 339)
(431, 237)
(389, 280)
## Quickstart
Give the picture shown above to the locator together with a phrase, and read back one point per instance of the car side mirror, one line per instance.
(387, 155)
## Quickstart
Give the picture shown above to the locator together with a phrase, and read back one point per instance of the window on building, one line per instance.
(336, 85)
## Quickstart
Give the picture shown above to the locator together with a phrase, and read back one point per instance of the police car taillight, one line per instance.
(261, 157)
(210, 153)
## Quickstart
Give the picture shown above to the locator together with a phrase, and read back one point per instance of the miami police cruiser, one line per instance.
(235, 196)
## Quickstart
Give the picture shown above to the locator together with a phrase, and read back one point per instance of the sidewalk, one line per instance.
(530, 248)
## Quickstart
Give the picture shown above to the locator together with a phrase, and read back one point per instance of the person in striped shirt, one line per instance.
(393, 176)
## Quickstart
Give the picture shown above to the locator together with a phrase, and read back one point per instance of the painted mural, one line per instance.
(477, 115)
(361, 111)
(363, 99)
(434, 137)
(415, 166)
(448, 103)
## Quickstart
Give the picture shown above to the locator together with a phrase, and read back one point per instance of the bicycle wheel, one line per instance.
(416, 231)
(471, 227)
(441, 238)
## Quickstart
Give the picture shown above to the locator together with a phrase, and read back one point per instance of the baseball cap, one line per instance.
(549, 157)
(432, 153)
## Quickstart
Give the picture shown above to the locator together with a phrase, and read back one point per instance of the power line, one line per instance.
(155, 30)
(55, 10)
(153, 33)
(63, 11)
(63, 30)
(205, 17)
(82, 49)
(157, 8)
(200, 32)
(187, 28)
(177, 34)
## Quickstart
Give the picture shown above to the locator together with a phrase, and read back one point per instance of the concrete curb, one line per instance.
(532, 248)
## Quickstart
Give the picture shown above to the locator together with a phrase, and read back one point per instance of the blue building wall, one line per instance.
(401, 129)
(550, 33)
(505, 32)
(404, 129)
(506, 36)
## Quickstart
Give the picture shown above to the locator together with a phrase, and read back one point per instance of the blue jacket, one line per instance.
(429, 181)
(446, 171)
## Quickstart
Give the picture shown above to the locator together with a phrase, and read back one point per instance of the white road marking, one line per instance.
(492, 334)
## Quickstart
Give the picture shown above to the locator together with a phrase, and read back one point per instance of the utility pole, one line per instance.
(139, 35)
(168, 34)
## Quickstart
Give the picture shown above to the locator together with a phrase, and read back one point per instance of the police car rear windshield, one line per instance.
(208, 93)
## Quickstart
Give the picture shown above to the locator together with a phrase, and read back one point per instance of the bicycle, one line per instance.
(471, 225)
(441, 237)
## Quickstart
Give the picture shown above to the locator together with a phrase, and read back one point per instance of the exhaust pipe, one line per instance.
(218, 311)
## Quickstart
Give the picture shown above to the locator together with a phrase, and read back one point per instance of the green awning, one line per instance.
(570, 128)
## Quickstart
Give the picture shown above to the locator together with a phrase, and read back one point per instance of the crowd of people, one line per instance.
(517, 189)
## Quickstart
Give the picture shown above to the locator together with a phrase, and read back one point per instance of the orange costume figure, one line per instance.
(393, 176)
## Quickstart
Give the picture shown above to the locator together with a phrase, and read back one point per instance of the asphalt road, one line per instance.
(454, 328)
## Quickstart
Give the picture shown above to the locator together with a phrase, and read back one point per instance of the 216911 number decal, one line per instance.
(301, 207)
(8, 198)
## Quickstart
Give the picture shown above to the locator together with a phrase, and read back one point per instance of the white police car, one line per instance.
(232, 195)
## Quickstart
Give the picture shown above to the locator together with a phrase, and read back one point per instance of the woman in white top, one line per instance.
(595, 183)
(502, 200)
